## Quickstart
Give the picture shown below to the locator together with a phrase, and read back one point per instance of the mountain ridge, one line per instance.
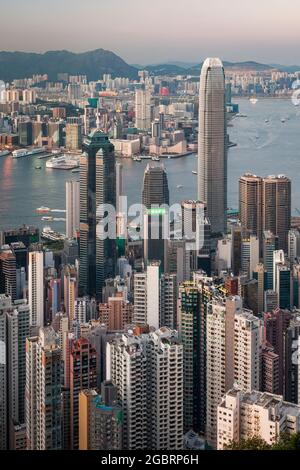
(19, 64)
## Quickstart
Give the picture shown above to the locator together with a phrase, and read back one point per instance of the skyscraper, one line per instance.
(212, 146)
(8, 272)
(276, 207)
(36, 288)
(155, 194)
(233, 351)
(142, 108)
(43, 391)
(97, 187)
(82, 376)
(265, 204)
(72, 208)
(100, 419)
(148, 373)
(250, 197)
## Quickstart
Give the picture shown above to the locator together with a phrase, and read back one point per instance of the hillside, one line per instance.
(92, 63)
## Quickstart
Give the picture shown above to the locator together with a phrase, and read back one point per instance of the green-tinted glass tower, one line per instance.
(97, 186)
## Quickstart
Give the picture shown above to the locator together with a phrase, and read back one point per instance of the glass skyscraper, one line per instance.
(97, 186)
(212, 144)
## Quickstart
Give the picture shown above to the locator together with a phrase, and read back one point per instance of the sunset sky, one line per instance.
(152, 31)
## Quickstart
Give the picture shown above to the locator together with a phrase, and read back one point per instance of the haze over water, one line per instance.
(263, 148)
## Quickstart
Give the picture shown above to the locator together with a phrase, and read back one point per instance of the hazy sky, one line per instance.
(151, 31)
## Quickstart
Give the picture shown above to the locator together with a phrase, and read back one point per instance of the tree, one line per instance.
(286, 441)
(253, 443)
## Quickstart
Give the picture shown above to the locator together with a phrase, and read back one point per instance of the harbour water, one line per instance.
(265, 145)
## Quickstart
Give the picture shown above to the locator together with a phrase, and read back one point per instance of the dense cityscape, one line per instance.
(153, 325)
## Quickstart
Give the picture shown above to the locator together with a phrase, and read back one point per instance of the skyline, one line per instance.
(193, 30)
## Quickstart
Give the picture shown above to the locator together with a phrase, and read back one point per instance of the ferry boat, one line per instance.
(3, 153)
(42, 209)
(63, 162)
(27, 152)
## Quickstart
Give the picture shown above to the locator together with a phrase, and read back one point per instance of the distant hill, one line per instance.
(176, 69)
(94, 64)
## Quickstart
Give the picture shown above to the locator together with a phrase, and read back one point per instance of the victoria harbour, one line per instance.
(268, 142)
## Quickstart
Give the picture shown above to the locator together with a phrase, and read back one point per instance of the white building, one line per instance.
(148, 371)
(233, 350)
(126, 148)
(143, 108)
(155, 297)
(36, 288)
(72, 208)
(249, 254)
(245, 414)
(43, 380)
(224, 254)
(293, 244)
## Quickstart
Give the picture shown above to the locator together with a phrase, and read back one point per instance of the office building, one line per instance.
(97, 187)
(72, 208)
(212, 145)
(270, 245)
(265, 204)
(249, 255)
(36, 288)
(156, 219)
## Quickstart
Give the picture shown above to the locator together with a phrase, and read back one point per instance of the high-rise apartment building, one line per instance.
(83, 375)
(148, 372)
(73, 136)
(233, 352)
(155, 297)
(143, 108)
(244, 414)
(97, 187)
(194, 297)
(43, 380)
(36, 288)
(100, 419)
(116, 313)
(8, 272)
(212, 145)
